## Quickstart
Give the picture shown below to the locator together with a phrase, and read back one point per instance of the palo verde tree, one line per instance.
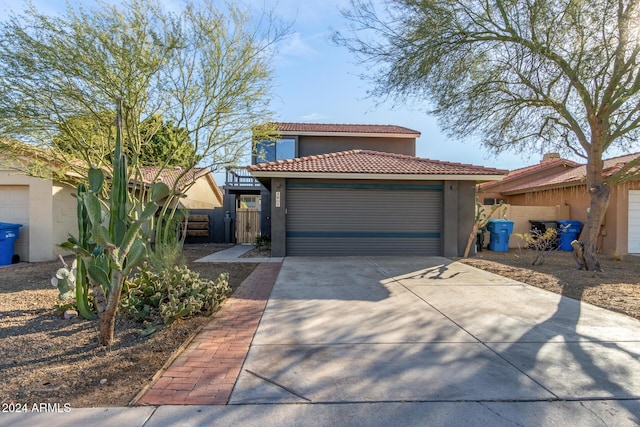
(164, 142)
(530, 74)
(206, 71)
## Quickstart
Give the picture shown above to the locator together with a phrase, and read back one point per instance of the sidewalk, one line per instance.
(387, 414)
(234, 254)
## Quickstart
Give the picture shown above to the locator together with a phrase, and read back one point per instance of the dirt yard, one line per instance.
(47, 359)
(617, 288)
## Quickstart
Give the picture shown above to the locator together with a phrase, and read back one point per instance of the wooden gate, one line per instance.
(247, 225)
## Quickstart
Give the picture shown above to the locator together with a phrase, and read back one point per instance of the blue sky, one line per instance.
(316, 81)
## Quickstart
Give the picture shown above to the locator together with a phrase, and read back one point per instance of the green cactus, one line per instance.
(65, 280)
(81, 245)
(109, 252)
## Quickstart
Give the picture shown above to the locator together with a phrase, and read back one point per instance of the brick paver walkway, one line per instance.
(206, 371)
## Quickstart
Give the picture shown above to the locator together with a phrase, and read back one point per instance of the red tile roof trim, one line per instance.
(169, 175)
(343, 128)
(529, 170)
(372, 162)
(571, 177)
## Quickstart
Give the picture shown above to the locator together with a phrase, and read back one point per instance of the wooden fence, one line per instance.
(247, 225)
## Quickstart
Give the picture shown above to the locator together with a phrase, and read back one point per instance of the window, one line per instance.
(488, 201)
(248, 202)
(281, 149)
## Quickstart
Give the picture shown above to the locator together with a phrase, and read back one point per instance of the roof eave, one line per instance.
(534, 170)
(558, 186)
(392, 177)
(350, 134)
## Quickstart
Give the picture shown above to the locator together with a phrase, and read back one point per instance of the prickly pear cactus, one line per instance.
(65, 281)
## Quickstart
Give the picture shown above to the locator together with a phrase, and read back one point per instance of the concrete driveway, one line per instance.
(389, 329)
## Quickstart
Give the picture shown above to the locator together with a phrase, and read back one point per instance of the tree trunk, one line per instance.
(108, 316)
(107, 327)
(578, 254)
(599, 194)
(472, 235)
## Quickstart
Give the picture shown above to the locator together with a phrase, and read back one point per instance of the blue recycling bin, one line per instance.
(568, 231)
(8, 236)
(499, 232)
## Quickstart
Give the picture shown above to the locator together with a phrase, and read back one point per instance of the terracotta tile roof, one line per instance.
(530, 170)
(614, 164)
(172, 174)
(571, 177)
(372, 162)
(324, 128)
(566, 178)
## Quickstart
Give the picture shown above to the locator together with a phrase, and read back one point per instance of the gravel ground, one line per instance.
(48, 359)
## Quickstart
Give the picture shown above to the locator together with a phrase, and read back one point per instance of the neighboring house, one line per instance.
(47, 209)
(490, 193)
(360, 190)
(201, 197)
(561, 182)
(199, 189)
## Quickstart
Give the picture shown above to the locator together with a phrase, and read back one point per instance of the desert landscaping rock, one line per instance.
(70, 314)
(38, 345)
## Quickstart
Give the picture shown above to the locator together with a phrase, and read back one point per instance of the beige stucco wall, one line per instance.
(51, 214)
(520, 215)
(65, 217)
(614, 231)
(201, 196)
(574, 197)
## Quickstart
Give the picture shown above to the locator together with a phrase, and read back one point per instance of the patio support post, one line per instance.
(449, 236)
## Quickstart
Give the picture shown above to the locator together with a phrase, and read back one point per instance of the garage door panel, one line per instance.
(361, 221)
(321, 210)
(15, 204)
(634, 222)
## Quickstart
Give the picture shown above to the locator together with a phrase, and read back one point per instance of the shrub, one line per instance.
(165, 256)
(541, 243)
(176, 293)
(263, 241)
(616, 256)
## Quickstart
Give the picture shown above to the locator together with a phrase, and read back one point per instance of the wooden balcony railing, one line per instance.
(240, 178)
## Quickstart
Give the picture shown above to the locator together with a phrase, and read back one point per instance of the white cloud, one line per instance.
(306, 13)
(296, 47)
(313, 117)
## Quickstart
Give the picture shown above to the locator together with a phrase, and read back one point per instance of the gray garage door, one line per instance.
(363, 219)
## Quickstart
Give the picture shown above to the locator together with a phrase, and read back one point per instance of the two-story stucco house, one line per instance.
(332, 189)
